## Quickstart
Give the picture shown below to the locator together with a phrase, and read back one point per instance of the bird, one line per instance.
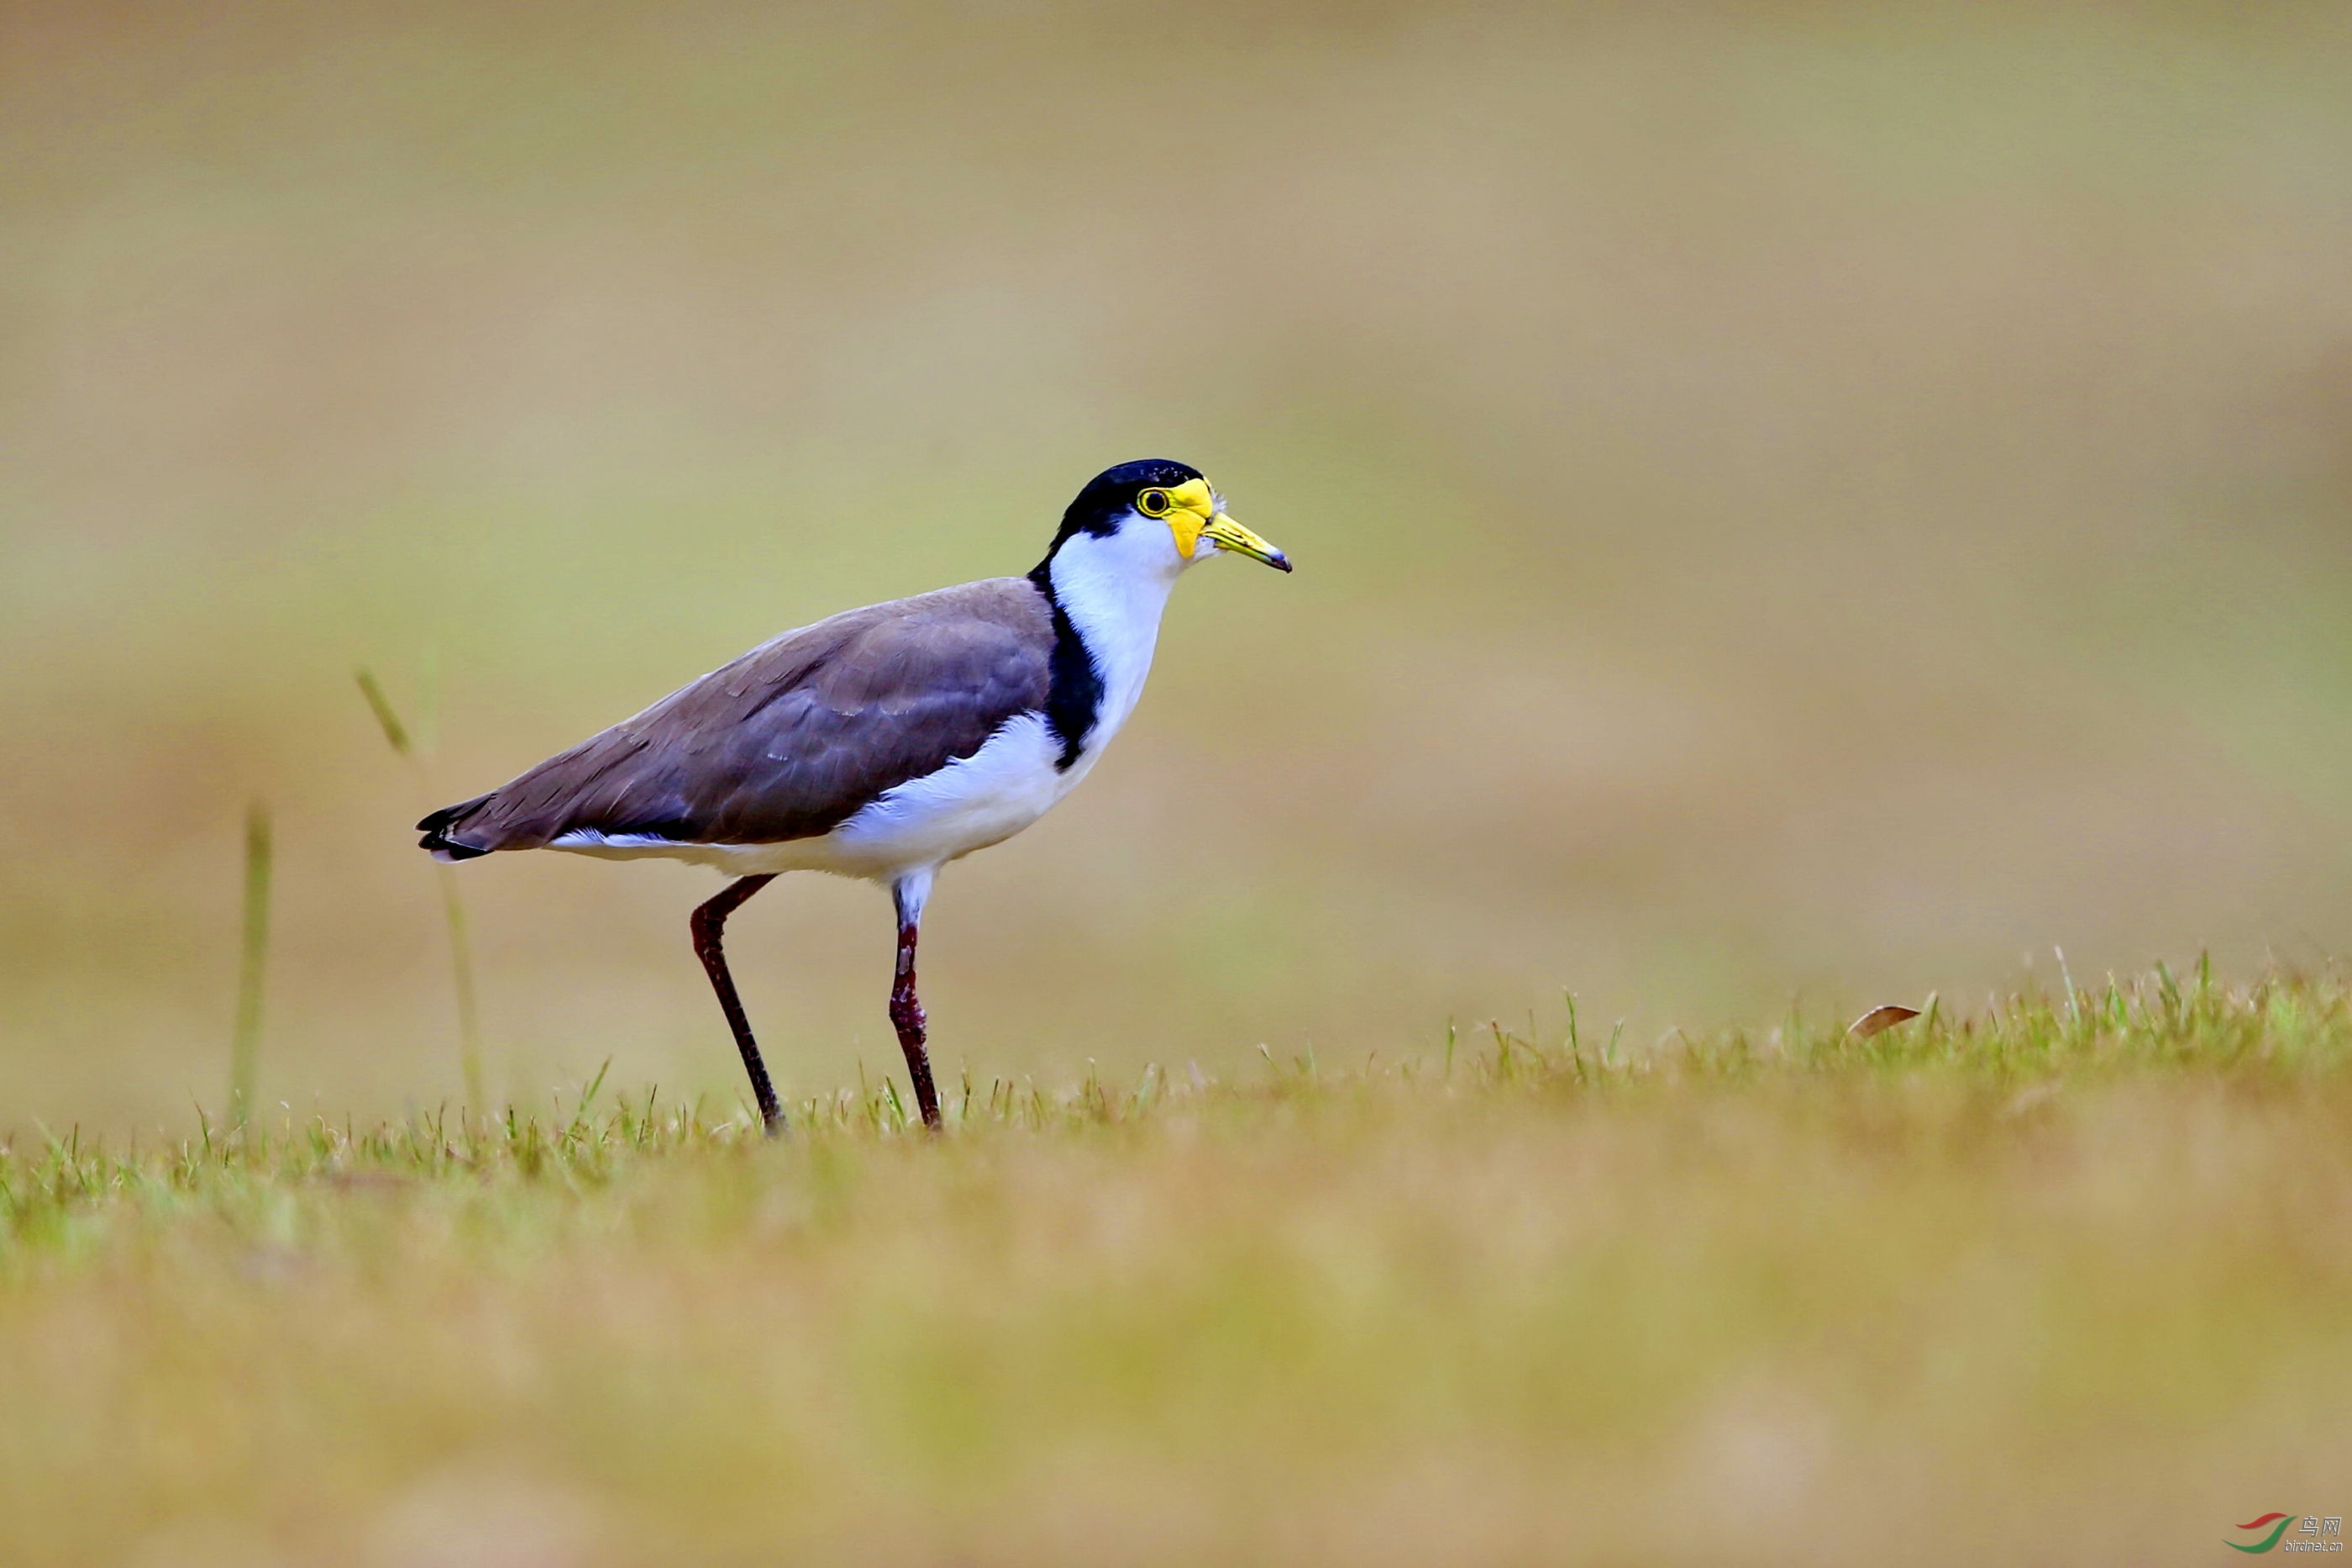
(882, 743)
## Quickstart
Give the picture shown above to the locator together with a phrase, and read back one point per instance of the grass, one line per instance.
(2060, 1278)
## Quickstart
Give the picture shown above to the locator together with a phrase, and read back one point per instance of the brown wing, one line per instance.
(791, 739)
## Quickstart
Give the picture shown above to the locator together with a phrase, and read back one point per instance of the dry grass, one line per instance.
(2063, 1281)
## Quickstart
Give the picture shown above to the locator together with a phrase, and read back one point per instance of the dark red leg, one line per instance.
(906, 1014)
(709, 924)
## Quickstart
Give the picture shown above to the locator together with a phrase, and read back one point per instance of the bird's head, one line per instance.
(1157, 516)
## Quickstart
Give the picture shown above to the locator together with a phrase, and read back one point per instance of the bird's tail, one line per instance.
(442, 827)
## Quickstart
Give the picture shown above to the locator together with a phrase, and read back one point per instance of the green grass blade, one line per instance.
(245, 1052)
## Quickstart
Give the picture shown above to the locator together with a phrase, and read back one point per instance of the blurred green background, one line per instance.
(1817, 502)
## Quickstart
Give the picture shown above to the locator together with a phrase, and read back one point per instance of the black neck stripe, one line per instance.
(1074, 689)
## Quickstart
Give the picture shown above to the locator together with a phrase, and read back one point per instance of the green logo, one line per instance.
(2278, 1523)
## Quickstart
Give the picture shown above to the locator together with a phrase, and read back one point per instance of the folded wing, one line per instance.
(791, 739)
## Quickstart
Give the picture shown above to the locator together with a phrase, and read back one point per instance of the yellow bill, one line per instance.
(1229, 535)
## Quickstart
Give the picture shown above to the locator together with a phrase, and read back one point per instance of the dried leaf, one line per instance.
(1878, 1021)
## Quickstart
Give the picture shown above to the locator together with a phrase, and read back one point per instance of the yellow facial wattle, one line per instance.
(1187, 507)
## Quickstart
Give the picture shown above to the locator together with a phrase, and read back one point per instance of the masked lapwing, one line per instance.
(885, 742)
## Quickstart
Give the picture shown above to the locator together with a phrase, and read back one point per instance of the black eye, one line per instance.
(1153, 503)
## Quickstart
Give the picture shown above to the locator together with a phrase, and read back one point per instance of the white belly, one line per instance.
(982, 799)
(969, 804)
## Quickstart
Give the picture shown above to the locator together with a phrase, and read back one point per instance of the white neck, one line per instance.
(1114, 589)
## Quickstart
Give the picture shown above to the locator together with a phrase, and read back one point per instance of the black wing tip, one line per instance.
(437, 840)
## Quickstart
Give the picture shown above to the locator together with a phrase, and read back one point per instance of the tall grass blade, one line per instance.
(244, 1049)
(461, 971)
(397, 735)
